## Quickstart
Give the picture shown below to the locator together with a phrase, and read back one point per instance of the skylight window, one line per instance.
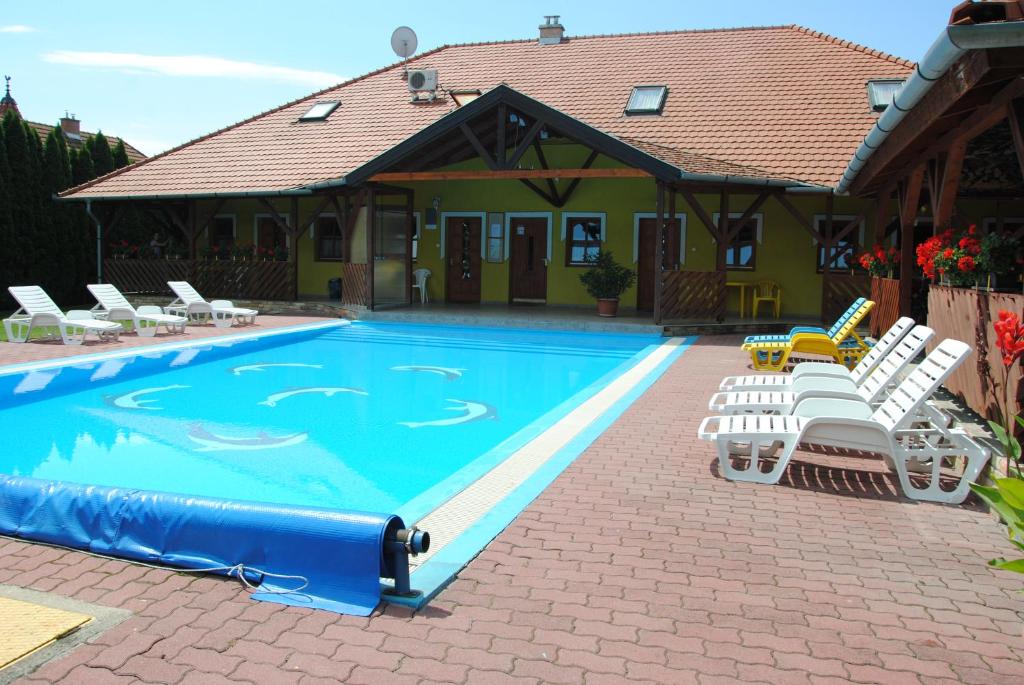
(319, 111)
(881, 92)
(464, 97)
(646, 100)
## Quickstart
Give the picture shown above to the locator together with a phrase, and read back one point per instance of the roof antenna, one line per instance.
(403, 42)
(8, 79)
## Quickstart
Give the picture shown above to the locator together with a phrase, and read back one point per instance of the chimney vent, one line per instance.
(551, 31)
(71, 126)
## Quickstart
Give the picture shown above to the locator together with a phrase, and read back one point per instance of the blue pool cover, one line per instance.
(337, 554)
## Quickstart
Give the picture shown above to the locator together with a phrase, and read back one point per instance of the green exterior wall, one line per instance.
(786, 253)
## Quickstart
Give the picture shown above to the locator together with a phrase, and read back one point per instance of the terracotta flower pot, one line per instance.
(608, 307)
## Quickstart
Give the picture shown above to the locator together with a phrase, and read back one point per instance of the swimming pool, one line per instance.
(367, 417)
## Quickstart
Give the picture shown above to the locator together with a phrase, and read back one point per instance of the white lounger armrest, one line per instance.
(708, 429)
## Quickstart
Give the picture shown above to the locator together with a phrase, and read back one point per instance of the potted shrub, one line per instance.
(606, 280)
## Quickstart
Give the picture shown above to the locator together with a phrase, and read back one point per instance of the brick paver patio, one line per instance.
(638, 564)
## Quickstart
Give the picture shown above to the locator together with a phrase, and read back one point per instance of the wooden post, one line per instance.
(371, 228)
(948, 185)
(882, 210)
(193, 228)
(659, 237)
(293, 254)
(410, 226)
(723, 230)
(827, 250)
(910, 197)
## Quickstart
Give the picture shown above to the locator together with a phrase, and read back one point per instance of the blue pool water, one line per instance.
(366, 417)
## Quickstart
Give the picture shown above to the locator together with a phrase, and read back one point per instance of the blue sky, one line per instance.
(159, 74)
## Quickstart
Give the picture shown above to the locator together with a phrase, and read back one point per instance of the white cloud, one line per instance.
(16, 28)
(193, 65)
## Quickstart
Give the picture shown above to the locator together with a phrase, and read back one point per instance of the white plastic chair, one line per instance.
(37, 310)
(223, 313)
(421, 276)
(147, 319)
(892, 430)
(781, 381)
(871, 391)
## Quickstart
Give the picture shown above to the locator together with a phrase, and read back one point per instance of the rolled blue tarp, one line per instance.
(339, 554)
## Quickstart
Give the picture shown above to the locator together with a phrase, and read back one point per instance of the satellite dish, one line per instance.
(403, 42)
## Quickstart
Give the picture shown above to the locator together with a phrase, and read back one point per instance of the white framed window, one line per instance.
(583, 234)
(741, 253)
(637, 216)
(844, 252)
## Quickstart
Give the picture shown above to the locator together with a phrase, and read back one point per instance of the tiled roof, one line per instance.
(784, 100)
(134, 155)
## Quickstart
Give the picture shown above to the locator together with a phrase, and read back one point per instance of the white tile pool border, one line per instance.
(140, 350)
(471, 508)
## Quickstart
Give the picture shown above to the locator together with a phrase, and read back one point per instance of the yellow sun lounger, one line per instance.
(844, 345)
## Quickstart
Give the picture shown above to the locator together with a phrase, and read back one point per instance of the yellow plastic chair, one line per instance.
(845, 346)
(768, 291)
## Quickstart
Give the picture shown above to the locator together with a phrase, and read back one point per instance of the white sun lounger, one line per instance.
(779, 381)
(889, 430)
(223, 313)
(872, 390)
(37, 310)
(146, 319)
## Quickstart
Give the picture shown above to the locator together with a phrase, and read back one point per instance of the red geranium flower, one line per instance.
(966, 263)
(947, 253)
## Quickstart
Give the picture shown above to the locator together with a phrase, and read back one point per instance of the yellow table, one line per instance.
(743, 292)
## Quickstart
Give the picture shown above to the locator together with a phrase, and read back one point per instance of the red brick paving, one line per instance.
(639, 564)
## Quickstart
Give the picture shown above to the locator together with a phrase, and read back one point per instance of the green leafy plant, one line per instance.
(999, 255)
(1007, 500)
(606, 279)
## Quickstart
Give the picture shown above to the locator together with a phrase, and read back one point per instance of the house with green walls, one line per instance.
(706, 160)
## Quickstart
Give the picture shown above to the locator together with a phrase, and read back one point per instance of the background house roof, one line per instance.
(134, 155)
(784, 100)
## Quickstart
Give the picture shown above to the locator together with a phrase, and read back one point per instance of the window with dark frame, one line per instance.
(222, 233)
(330, 243)
(741, 254)
(583, 239)
(646, 100)
(844, 252)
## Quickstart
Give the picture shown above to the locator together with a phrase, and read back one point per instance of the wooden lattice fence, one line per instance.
(693, 295)
(353, 284)
(252, 280)
(885, 292)
(839, 290)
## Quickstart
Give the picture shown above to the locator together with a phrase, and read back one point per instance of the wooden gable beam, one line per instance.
(748, 215)
(501, 145)
(705, 219)
(801, 220)
(507, 174)
(552, 189)
(524, 145)
(553, 201)
(481, 151)
(948, 184)
(944, 94)
(1016, 111)
(847, 228)
(576, 180)
(306, 222)
(281, 221)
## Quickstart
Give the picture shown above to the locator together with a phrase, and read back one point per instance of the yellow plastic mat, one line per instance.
(26, 627)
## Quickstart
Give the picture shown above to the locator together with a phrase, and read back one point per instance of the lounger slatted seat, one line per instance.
(892, 430)
(872, 389)
(778, 381)
(844, 345)
(147, 319)
(780, 337)
(37, 311)
(223, 313)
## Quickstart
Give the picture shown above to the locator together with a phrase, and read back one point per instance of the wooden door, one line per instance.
(462, 252)
(645, 258)
(528, 260)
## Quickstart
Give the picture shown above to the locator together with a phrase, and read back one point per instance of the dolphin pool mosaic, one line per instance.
(365, 417)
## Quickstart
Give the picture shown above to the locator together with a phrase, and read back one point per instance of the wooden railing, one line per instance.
(839, 290)
(885, 292)
(251, 280)
(693, 295)
(354, 285)
(967, 314)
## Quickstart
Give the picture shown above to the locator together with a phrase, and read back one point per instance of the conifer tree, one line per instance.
(6, 228)
(102, 157)
(65, 247)
(82, 169)
(20, 192)
(120, 155)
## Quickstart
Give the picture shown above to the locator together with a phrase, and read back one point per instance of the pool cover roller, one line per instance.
(340, 555)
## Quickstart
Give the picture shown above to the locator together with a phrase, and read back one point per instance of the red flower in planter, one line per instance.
(966, 263)
(947, 253)
(1009, 337)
